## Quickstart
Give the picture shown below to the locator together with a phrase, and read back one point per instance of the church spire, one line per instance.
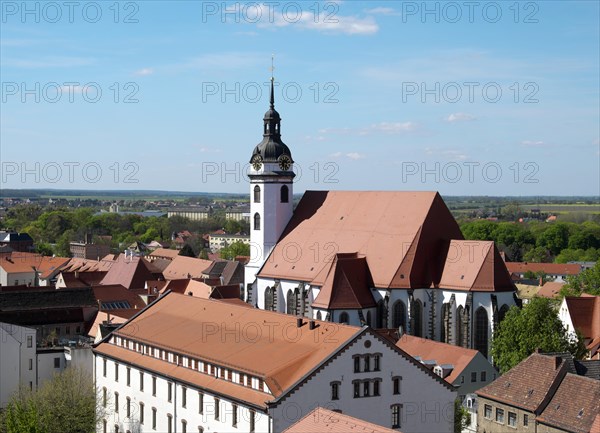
(272, 83)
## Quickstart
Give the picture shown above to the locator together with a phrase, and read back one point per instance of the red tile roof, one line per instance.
(550, 289)
(475, 266)
(585, 315)
(346, 284)
(115, 293)
(321, 420)
(441, 353)
(164, 253)
(575, 407)
(196, 327)
(185, 267)
(401, 234)
(130, 272)
(548, 268)
(528, 384)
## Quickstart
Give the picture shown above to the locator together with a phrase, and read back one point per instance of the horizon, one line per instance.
(492, 99)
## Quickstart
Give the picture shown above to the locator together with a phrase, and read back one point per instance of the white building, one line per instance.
(389, 259)
(186, 364)
(18, 366)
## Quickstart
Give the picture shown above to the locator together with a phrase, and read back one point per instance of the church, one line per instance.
(387, 259)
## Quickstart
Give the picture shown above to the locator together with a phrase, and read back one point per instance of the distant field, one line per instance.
(565, 208)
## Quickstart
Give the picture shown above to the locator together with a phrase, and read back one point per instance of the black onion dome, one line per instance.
(271, 147)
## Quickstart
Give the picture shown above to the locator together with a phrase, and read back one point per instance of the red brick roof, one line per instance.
(585, 315)
(130, 272)
(402, 235)
(550, 289)
(528, 384)
(321, 420)
(347, 284)
(575, 407)
(185, 267)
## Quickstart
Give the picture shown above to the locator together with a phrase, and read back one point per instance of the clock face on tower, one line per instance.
(285, 162)
(256, 162)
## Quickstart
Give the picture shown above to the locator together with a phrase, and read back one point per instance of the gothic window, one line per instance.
(257, 194)
(369, 319)
(502, 312)
(481, 331)
(344, 317)
(445, 324)
(319, 317)
(269, 299)
(285, 192)
(256, 221)
(460, 335)
(417, 318)
(399, 315)
(290, 303)
(381, 314)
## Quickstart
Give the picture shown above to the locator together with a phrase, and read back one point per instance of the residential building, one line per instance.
(239, 214)
(18, 366)
(554, 271)
(583, 314)
(544, 393)
(194, 213)
(191, 364)
(16, 241)
(88, 249)
(323, 420)
(388, 259)
(218, 241)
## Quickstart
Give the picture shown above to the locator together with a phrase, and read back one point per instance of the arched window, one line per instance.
(399, 316)
(502, 313)
(285, 192)
(445, 324)
(319, 317)
(256, 221)
(416, 314)
(290, 307)
(460, 333)
(257, 194)
(369, 319)
(381, 314)
(481, 331)
(269, 302)
(344, 317)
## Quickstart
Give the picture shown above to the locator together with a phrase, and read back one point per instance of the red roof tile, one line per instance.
(321, 420)
(585, 315)
(548, 268)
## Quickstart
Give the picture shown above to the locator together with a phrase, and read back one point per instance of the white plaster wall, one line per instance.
(191, 413)
(45, 365)
(428, 405)
(15, 359)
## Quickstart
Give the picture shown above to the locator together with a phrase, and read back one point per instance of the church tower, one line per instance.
(271, 194)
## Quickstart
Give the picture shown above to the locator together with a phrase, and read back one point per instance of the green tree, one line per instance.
(187, 251)
(588, 281)
(524, 330)
(69, 402)
(555, 238)
(230, 252)
(44, 249)
(462, 417)
(537, 255)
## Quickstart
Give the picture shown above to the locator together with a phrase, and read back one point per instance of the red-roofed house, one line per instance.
(554, 271)
(321, 420)
(583, 314)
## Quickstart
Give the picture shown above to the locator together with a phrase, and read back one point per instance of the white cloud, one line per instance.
(531, 143)
(355, 156)
(382, 11)
(460, 117)
(144, 71)
(394, 127)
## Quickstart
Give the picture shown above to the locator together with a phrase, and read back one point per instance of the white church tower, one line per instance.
(271, 195)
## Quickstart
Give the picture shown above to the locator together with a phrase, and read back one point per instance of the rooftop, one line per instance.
(321, 420)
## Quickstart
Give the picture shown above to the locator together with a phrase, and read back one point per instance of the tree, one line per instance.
(554, 238)
(462, 417)
(187, 251)
(69, 402)
(588, 281)
(230, 252)
(537, 255)
(524, 330)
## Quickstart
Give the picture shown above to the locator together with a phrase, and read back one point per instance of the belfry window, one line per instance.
(257, 221)
(257, 194)
(285, 192)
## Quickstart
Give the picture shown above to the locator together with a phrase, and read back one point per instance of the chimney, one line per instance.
(312, 325)
(298, 322)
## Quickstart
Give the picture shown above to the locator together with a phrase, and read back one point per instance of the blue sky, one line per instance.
(466, 98)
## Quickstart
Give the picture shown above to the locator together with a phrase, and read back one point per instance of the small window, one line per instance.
(29, 341)
(376, 388)
(487, 411)
(56, 362)
(376, 361)
(217, 408)
(335, 390)
(367, 363)
(396, 415)
(256, 221)
(500, 415)
(356, 389)
(462, 379)
(116, 372)
(141, 413)
(366, 389)
(357, 364)
(483, 376)
(116, 402)
(200, 402)
(183, 426)
(257, 194)
(474, 376)
(512, 419)
(128, 376)
(234, 415)
(169, 392)
(169, 423)
(30, 364)
(154, 386)
(252, 420)
(285, 192)
(104, 397)
(344, 318)
(128, 407)
(397, 382)
(142, 381)
(525, 420)
(183, 396)
(153, 418)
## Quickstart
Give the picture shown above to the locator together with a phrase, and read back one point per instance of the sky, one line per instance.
(464, 98)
